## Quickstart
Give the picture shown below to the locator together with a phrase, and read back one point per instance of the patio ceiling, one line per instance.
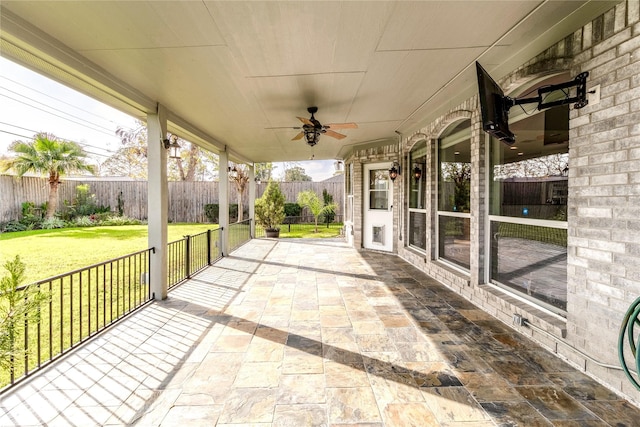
(228, 72)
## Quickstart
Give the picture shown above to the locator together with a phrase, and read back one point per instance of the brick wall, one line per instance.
(604, 189)
(604, 199)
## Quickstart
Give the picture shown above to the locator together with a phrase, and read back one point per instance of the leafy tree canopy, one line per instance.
(296, 173)
(190, 164)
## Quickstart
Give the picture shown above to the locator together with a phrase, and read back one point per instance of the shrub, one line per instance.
(84, 204)
(51, 223)
(270, 207)
(84, 221)
(292, 209)
(211, 211)
(330, 215)
(120, 220)
(32, 215)
(11, 226)
(18, 305)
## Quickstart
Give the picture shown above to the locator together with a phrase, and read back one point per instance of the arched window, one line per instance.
(454, 195)
(528, 192)
(417, 171)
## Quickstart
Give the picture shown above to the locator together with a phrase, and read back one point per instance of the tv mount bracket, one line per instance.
(580, 83)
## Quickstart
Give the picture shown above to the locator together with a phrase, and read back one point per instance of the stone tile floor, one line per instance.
(312, 333)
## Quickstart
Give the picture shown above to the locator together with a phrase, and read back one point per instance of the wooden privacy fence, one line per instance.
(186, 199)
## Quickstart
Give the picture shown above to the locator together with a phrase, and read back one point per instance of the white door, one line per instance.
(377, 227)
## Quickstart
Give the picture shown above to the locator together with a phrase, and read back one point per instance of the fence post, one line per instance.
(187, 256)
(208, 247)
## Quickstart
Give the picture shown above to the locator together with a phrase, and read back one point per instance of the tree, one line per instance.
(460, 174)
(296, 173)
(17, 305)
(240, 177)
(310, 200)
(131, 159)
(48, 155)
(264, 171)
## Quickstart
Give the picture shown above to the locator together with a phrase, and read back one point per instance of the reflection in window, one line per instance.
(529, 183)
(378, 189)
(417, 196)
(532, 260)
(454, 195)
(454, 240)
(418, 230)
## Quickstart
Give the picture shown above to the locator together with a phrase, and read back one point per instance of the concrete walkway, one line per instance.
(312, 333)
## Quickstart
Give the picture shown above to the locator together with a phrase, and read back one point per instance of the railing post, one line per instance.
(26, 335)
(208, 247)
(187, 256)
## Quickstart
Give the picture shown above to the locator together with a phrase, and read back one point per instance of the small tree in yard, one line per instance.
(269, 208)
(16, 307)
(51, 156)
(310, 200)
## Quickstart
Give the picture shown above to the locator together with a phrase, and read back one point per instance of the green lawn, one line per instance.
(47, 253)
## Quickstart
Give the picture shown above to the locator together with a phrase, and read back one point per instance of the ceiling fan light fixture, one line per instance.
(312, 136)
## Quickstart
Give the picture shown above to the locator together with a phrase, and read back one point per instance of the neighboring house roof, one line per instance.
(335, 178)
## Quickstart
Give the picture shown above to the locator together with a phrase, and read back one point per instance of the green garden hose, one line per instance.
(631, 319)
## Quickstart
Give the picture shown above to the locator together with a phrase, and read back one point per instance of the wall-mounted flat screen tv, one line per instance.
(494, 107)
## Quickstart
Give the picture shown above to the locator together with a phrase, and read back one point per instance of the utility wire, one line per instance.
(66, 139)
(56, 109)
(57, 115)
(32, 138)
(56, 99)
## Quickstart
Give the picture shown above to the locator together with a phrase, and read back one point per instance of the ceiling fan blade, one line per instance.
(305, 121)
(335, 135)
(285, 127)
(342, 126)
(298, 136)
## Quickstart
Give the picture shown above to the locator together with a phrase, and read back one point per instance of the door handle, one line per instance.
(391, 208)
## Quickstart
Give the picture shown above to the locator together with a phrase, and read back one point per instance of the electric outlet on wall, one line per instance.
(593, 95)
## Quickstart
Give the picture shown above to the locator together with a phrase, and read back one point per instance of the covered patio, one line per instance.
(311, 332)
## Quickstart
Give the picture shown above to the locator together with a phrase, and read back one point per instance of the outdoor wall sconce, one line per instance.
(417, 173)
(172, 145)
(233, 172)
(258, 181)
(394, 171)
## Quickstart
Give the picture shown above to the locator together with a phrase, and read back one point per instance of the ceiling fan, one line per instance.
(312, 128)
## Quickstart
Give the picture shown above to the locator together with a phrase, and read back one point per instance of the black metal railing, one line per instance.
(83, 302)
(191, 254)
(239, 233)
(306, 224)
(76, 306)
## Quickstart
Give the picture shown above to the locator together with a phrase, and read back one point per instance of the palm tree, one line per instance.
(48, 155)
(310, 200)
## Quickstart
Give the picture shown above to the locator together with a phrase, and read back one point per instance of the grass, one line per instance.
(309, 231)
(47, 253)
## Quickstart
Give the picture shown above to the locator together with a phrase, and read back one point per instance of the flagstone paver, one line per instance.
(311, 333)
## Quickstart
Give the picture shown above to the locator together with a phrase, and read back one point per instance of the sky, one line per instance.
(31, 103)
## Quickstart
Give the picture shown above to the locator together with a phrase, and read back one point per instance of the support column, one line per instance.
(158, 201)
(252, 199)
(223, 202)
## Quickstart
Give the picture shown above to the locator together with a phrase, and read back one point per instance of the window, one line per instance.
(528, 208)
(378, 189)
(454, 195)
(349, 190)
(417, 196)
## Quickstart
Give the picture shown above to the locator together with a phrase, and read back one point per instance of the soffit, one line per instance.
(233, 71)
